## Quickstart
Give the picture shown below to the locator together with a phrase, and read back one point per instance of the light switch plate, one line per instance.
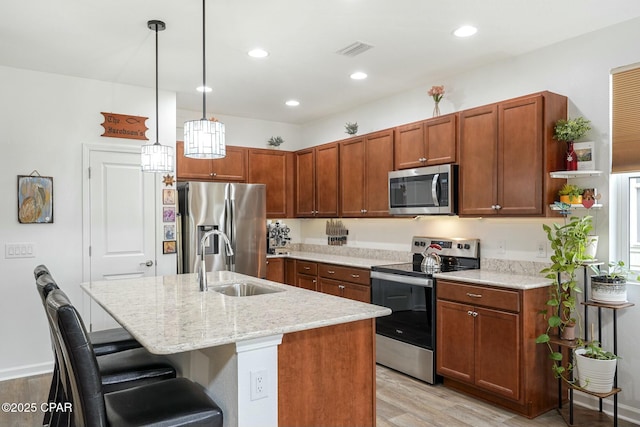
(19, 250)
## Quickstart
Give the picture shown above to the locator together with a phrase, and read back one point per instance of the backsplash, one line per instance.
(530, 268)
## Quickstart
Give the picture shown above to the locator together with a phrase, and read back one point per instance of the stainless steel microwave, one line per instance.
(431, 190)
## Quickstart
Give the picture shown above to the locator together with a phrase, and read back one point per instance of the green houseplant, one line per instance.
(275, 141)
(570, 193)
(571, 130)
(596, 367)
(568, 243)
(611, 286)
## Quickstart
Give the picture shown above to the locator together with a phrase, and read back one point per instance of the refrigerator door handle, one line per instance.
(230, 230)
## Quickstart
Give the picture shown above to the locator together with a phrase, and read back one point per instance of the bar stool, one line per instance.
(174, 402)
(104, 342)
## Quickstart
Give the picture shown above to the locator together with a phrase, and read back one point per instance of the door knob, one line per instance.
(149, 263)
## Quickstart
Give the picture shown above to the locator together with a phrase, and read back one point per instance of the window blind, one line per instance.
(625, 119)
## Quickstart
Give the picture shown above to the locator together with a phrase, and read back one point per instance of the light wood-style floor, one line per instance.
(402, 402)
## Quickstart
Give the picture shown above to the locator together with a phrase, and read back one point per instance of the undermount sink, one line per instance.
(244, 289)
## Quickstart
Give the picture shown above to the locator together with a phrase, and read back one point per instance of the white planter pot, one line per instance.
(592, 247)
(595, 375)
(608, 292)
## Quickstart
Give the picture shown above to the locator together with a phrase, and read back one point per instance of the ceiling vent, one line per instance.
(354, 49)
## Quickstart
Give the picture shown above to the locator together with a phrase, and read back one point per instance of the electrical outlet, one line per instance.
(542, 249)
(259, 384)
(502, 247)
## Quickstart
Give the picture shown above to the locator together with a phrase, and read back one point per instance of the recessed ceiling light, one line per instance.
(204, 89)
(292, 103)
(465, 31)
(358, 75)
(258, 53)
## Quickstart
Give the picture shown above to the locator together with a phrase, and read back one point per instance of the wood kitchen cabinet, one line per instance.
(316, 188)
(290, 271)
(274, 168)
(307, 275)
(364, 166)
(485, 345)
(275, 269)
(347, 282)
(506, 154)
(232, 168)
(426, 143)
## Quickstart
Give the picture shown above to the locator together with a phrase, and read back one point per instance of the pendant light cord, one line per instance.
(157, 123)
(204, 67)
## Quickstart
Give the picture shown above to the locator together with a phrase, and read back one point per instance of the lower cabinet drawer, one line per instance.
(345, 274)
(307, 267)
(503, 299)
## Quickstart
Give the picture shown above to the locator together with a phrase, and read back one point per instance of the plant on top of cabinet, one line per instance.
(351, 128)
(275, 141)
(569, 243)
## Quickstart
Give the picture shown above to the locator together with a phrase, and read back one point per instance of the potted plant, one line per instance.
(351, 128)
(569, 131)
(568, 242)
(610, 287)
(596, 368)
(275, 141)
(571, 194)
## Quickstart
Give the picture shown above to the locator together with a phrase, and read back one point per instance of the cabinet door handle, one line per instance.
(313, 281)
(469, 294)
(341, 286)
(213, 174)
(331, 272)
(475, 314)
(498, 207)
(470, 313)
(355, 276)
(307, 268)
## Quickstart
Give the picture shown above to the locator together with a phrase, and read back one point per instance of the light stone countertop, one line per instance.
(347, 261)
(496, 278)
(169, 314)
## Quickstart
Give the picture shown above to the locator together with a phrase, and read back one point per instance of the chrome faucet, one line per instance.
(202, 272)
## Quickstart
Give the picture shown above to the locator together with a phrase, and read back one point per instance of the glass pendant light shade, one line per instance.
(155, 157)
(204, 139)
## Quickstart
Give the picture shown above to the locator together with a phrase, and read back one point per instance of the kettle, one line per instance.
(430, 261)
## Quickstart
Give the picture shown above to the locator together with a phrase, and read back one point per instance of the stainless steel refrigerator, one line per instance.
(238, 210)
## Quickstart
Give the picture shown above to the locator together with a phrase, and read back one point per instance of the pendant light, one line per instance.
(156, 157)
(204, 139)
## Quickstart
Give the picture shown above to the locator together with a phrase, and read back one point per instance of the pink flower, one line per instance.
(436, 92)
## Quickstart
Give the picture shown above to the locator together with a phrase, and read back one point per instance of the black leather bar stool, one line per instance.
(174, 402)
(104, 342)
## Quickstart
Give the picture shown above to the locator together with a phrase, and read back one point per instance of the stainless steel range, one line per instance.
(406, 339)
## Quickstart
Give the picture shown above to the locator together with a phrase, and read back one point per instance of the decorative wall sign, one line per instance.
(168, 180)
(586, 155)
(124, 126)
(35, 199)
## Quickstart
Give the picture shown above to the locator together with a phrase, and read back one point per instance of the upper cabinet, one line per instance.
(233, 167)
(274, 168)
(364, 166)
(506, 154)
(426, 143)
(316, 188)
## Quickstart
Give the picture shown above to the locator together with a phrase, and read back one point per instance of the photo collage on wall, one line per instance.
(169, 217)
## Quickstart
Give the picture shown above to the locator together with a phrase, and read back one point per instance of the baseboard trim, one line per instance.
(625, 412)
(26, 371)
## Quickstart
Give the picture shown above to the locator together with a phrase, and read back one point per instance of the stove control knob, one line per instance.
(459, 245)
(467, 246)
(416, 243)
(423, 244)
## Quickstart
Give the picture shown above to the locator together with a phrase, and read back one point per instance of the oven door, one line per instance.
(412, 302)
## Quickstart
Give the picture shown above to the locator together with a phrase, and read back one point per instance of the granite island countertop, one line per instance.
(169, 314)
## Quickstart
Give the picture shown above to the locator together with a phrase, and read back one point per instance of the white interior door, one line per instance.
(121, 224)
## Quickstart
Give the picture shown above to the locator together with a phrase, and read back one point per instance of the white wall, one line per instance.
(247, 132)
(578, 68)
(44, 121)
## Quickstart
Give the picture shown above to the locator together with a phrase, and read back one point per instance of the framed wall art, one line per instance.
(586, 155)
(168, 214)
(169, 247)
(35, 199)
(170, 232)
(168, 196)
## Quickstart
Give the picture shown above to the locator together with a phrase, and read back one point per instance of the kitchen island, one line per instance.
(293, 357)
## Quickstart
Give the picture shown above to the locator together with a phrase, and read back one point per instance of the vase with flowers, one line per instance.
(436, 92)
(569, 131)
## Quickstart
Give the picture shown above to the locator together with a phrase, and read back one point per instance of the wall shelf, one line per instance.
(576, 206)
(574, 174)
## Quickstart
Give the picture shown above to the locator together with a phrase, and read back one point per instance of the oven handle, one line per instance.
(400, 278)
